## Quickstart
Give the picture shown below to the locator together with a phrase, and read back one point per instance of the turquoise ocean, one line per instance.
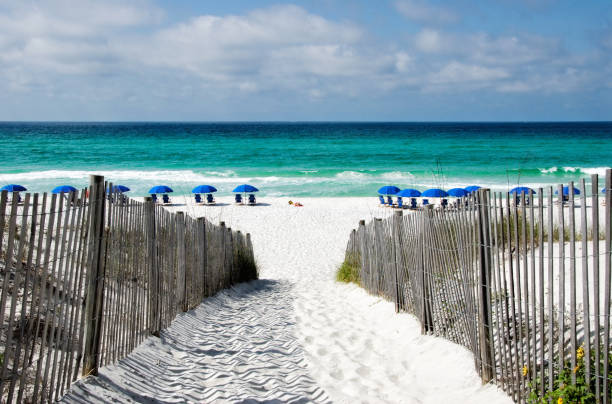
(303, 159)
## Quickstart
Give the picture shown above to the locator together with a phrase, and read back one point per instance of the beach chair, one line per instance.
(209, 199)
(252, 200)
(444, 203)
(425, 202)
(400, 202)
(389, 201)
(382, 200)
(166, 199)
(413, 203)
(198, 199)
(154, 198)
(238, 199)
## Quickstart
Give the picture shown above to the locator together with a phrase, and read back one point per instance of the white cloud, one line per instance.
(430, 41)
(456, 72)
(421, 11)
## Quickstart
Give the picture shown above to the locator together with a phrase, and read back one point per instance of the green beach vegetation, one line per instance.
(349, 270)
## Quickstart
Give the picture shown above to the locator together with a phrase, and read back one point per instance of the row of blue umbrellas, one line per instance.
(158, 189)
(20, 188)
(203, 189)
(390, 190)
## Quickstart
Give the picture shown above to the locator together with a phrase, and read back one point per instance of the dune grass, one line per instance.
(349, 270)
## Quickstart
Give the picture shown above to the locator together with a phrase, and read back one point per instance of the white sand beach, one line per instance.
(296, 335)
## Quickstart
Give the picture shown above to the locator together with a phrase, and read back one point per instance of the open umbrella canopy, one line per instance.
(204, 189)
(120, 188)
(457, 192)
(522, 190)
(472, 188)
(13, 188)
(160, 189)
(435, 193)
(63, 188)
(388, 190)
(566, 191)
(408, 193)
(244, 188)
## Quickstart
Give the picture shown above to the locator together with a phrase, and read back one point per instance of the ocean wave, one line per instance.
(351, 175)
(601, 171)
(550, 170)
(397, 175)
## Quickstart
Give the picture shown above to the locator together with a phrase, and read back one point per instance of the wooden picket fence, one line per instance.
(524, 284)
(86, 277)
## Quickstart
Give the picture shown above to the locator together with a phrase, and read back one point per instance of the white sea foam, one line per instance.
(398, 176)
(548, 170)
(351, 175)
(601, 171)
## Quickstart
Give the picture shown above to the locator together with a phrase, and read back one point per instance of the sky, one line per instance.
(316, 60)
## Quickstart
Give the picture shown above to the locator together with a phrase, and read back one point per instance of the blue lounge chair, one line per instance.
(444, 203)
(198, 198)
(154, 198)
(238, 198)
(382, 200)
(400, 202)
(210, 199)
(389, 201)
(425, 202)
(413, 203)
(252, 199)
(166, 199)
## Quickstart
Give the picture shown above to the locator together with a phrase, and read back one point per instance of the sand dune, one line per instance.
(296, 335)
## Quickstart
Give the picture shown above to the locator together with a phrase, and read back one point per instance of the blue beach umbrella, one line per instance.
(388, 190)
(566, 191)
(63, 188)
(204, 189)
(435, 193)
(408, 193)
(13, 188)
(472, 188)
(120, 188)
(520, 190)
(245, 188)
(160, 189)
(457, 192)
(603, 190)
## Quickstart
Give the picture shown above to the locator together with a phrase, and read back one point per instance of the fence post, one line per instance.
(181, 287)
(95, 285)
(249, 244)
(362, 249)
(397, 222)
(202, 252)
(427, 315)
(484, 306)
(154, 314)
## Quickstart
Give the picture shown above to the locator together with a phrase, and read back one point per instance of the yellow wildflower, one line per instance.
(560, 400)
(525, 370)
(580, 353)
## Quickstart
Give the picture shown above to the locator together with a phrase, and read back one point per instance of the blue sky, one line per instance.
(401, 60)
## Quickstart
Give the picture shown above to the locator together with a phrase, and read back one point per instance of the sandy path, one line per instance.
(296, 335)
